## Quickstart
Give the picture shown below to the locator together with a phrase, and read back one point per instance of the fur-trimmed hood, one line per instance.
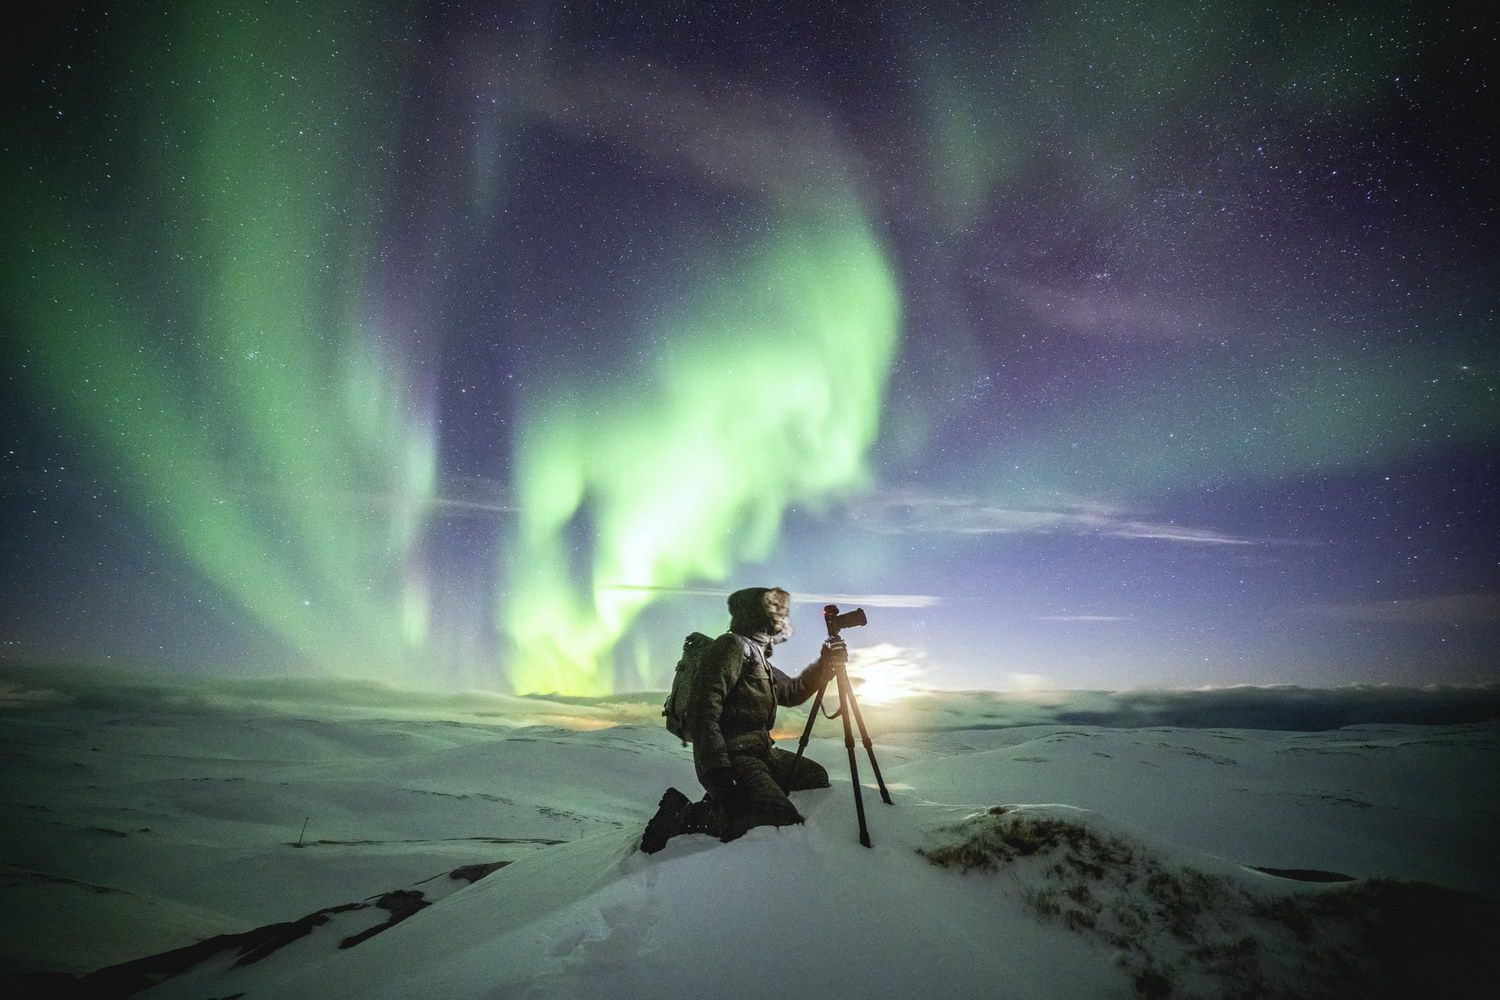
(761, 611)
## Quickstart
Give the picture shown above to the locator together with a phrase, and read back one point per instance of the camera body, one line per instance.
(849, 619)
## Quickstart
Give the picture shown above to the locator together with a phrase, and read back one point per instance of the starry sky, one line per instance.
(1092, 345)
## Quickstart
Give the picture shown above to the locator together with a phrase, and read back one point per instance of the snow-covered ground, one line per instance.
(1125, 865)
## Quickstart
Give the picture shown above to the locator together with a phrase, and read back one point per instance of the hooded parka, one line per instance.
(732, 708)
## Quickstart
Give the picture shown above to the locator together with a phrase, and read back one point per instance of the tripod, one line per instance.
(835, 622)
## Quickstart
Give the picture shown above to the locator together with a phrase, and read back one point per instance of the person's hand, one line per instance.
(720, 784)
(834, 655)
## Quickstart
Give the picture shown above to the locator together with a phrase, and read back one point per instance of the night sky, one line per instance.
(1087, 345)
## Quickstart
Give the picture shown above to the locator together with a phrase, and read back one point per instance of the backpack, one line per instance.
(693, 649)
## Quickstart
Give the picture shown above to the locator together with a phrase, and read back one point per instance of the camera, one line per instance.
(837, 622)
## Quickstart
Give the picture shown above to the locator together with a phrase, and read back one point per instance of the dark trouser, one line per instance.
(759, 774)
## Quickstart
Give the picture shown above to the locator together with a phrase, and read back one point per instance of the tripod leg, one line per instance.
(864, 735)
(846, 697)
(812, 717)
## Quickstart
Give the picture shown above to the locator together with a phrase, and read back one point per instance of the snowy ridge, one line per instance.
(802, 912)
(115, 835)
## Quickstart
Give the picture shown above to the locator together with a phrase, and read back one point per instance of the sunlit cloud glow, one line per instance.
(885, 673)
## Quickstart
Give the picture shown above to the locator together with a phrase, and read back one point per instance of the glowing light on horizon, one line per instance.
(884, 673)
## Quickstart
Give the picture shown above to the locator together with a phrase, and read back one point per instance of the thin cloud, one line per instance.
(473, 495)
(866, 600)
(911, 512)
(470, 506)
(1083, 618)
(462, 495)
(871, 600)
(1443, 609)
(1172, 533)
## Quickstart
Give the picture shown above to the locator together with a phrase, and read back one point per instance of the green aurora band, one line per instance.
(209, 340)
(765, 393)
(213, 348)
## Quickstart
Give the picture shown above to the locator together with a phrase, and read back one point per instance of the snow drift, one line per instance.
(177, 835)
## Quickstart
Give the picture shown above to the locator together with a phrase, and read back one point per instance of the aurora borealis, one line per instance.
(763, 397)
(482, 344)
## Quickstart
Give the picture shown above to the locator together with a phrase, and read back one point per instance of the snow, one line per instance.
(134, 832)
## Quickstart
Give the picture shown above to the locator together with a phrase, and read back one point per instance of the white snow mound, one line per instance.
(1050, 900)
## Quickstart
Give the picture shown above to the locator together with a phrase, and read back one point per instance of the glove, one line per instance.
(720, 784)
(833, 655)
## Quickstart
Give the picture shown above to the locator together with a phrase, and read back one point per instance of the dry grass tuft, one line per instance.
(1181, 932)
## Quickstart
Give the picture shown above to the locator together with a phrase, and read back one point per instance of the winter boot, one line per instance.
(702, 817)
(667, 823)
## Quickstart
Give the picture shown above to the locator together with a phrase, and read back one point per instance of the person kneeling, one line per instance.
(731, 711)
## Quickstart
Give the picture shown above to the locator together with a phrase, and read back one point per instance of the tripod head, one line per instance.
(836, 621)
